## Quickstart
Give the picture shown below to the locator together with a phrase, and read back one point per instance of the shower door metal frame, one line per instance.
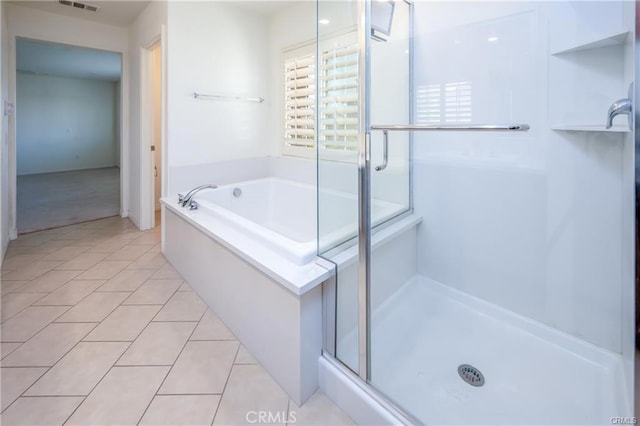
(364, 191)
(636, 251)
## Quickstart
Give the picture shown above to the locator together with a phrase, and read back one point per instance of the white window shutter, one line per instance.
(299, 101)
(339, 98)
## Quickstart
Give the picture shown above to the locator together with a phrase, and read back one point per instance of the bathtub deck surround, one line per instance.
(255, 264)
(92, 309)
(283, 329)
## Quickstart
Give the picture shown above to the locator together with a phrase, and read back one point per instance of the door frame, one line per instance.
(147, 185)
(13, 131)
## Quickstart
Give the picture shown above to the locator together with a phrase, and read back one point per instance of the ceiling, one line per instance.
(37, 57)
(69, 61)
(111, 12)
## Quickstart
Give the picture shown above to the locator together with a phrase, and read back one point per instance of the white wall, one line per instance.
(65, 124)
(216, 48)
(144, 32)
(533, 221)
(4, 134)
(38, 25)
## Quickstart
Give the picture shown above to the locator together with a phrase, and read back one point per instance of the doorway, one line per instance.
(67, 134)
(153, 169)
(156, 138)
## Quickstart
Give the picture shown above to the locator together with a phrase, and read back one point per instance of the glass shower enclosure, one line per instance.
(479, 207)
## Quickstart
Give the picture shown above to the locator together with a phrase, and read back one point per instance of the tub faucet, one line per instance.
(184, 200)
(621, 106)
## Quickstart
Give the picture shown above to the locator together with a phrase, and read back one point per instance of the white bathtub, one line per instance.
(252, 259)
(278, 213)
(282, 214)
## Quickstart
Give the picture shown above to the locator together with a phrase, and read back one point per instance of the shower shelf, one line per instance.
(611, 39)
(589, 128)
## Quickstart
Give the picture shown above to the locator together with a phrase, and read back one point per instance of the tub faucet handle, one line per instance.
(193, 205)
(180, 198)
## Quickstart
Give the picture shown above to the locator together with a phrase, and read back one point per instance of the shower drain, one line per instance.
(471, 375)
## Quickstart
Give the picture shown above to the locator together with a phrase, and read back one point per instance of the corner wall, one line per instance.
(216, 48)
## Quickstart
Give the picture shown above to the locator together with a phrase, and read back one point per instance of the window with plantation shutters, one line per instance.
(299, 100)
(339, 98)
(336, 83)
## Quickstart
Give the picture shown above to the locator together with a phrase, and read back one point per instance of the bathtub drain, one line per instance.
(471, 375)
(237, 192)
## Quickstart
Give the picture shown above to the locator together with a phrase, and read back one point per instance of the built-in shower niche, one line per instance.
(588, 65)
(594, 77)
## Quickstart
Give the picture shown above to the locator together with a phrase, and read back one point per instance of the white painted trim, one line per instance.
(125, 181)
(12, 131)
(11, 151)
(165, 90)
(147, 192)
(146, 183)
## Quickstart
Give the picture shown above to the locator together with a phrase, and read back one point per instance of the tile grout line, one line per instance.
(226, 382)
(20, 396)
(170, 368)
(37, 276)
(27, 307)
(115, 364)
(181, 351)
(45, 326)
(48, 292)
(56, 363)
(79, 301)
(7, 354)
(92, 389)
(215, 413)
(119, 305)
(163, 304)
(99, 322)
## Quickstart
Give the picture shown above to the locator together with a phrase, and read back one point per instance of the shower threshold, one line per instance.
(533, 374)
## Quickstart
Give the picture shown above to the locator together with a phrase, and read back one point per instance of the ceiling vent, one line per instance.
(78, 5)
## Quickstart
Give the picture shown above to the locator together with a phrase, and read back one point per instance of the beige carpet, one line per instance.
(50, 200)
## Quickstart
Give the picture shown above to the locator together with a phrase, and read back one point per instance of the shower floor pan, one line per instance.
(534, 375)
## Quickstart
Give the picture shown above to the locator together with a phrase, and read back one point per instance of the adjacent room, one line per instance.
(68, 126)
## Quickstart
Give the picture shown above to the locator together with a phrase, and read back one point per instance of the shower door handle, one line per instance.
(455, 127)
(440, 127)
(385, 151)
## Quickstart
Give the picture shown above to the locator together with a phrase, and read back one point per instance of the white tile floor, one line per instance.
(98, 329)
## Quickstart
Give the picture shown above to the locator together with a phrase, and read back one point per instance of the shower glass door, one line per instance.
(338, 111)
(505, 295)
(341, 112)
